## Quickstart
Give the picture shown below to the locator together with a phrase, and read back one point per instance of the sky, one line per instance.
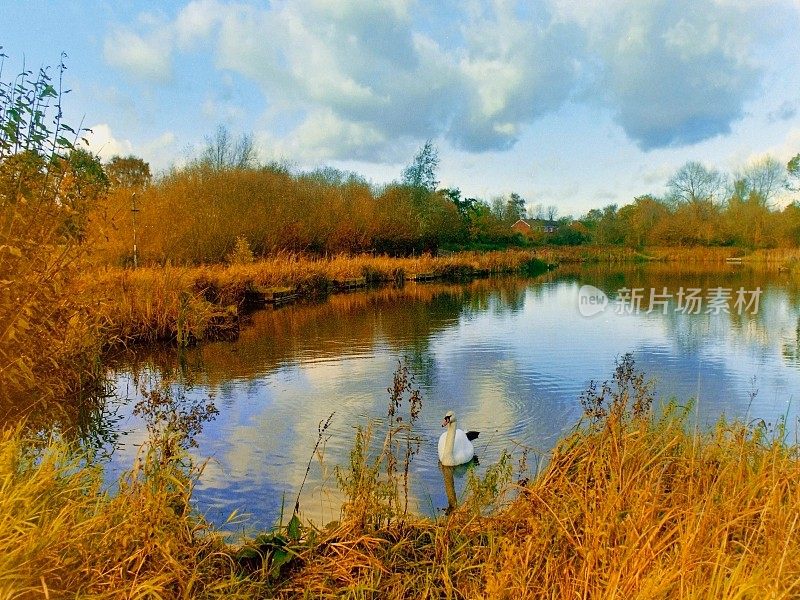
(572, 103)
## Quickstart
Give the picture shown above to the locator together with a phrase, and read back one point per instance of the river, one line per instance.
(509, 355)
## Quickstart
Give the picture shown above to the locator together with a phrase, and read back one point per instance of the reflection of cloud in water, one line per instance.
(510, 356)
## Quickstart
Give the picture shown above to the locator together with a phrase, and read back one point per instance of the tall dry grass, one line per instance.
(48, 342)
(63, 536)
(162, 303)
(632, 504)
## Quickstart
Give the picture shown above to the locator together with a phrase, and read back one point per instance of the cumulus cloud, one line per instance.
(146, 57)
(377, 75)
(102, 142)
(674, 72)
(362, 74)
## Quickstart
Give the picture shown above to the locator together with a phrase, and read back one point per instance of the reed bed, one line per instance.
(694, 254)
(62, 536)
(632, 504)
(179, 303)
(184, 302)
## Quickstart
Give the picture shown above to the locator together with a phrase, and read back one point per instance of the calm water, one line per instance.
(510, 356)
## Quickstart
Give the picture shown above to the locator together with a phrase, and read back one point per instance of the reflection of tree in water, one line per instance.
(691, 331)
(405, 319)
(88, 419)
(791, 352)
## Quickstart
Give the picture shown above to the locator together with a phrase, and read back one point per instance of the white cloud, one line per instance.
(789, 147)
(145, 57)
(675, 72)
(103, 143)
(324, 135)
(196, 21)
(362, 74)
(159, 151)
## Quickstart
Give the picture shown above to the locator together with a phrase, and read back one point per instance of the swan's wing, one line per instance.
(473, 435)
(462, 449)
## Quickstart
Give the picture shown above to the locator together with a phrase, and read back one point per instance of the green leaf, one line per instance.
(247, 553)
(294, 529)
(279, 558)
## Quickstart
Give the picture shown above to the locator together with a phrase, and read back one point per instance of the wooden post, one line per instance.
(134, 210)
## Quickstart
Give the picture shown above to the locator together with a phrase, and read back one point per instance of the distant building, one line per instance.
(530, 226)
(521, 226)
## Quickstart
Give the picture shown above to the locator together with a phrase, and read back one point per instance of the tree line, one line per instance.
(226, 203)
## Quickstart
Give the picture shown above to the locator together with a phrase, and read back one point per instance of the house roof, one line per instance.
(537, 222)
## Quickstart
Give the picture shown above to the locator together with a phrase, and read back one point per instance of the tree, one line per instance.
(793, 168)
(609, 229)
(552, 211)
(761, 179)
(128, 171)
(223, 152)
(641, 220)
(515, 207)
(85, 182)
(498, 208)
(421, 173)
(693, 182)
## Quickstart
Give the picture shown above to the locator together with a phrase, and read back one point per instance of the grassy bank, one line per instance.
(630, 505)
(162, 303)
(184, 303)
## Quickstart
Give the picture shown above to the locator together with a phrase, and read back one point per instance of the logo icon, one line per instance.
(591, 300)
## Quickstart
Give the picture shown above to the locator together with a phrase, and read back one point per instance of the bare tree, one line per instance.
(223, 151)
(763, 179)
(552, 212)
(693, 182)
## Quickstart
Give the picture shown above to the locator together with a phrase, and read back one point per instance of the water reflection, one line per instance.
(448, 479)
(510, 355)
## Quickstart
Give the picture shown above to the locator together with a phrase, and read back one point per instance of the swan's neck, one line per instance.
(450, 440)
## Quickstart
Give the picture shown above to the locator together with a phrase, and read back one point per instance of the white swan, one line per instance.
(455, 446)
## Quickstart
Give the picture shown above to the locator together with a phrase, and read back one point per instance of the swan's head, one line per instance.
(448, 418)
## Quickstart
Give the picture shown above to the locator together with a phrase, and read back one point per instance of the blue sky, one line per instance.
(567, 102)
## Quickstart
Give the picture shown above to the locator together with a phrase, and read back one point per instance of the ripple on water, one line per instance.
(511, 358)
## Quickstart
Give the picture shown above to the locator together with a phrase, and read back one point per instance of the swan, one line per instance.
(455, 446)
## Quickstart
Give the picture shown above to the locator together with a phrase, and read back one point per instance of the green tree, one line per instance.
(515, 207)
(86, 183)
(793, 169)
(421, 173)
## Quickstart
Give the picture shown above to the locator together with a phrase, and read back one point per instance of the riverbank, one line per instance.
(192, 303)
(187, 304)
(630, 505)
